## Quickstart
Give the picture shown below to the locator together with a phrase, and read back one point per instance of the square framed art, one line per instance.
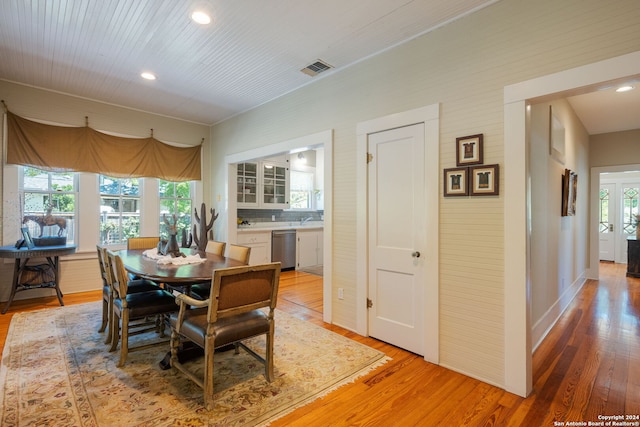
(456, 182)
(469, 150)
(484, 180)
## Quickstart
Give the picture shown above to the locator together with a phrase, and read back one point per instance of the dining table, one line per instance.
(176, 277)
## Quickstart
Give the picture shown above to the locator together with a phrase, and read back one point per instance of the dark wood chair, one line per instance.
(231, 315)
(129, 307)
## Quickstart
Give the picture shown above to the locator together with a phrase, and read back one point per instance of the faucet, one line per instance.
(304, 221)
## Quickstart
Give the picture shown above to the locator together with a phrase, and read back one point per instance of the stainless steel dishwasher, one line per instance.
(283, 248)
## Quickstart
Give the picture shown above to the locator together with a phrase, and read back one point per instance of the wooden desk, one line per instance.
(177, 275)
(22, 256)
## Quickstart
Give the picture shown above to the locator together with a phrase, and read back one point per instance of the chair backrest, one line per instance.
(119, 277)
(143, 242)
(236, 290)
(239, 253)
(214, 247)
(103, 272)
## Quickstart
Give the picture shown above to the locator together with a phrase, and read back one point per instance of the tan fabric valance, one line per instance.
(83, 149)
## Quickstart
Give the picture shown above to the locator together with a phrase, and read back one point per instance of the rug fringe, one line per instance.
(349, 380)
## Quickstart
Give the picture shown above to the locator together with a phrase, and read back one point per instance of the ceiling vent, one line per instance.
(316, 68)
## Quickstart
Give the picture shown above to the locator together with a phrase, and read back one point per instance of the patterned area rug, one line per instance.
(56, 371)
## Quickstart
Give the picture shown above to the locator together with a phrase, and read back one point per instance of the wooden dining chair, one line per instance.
(128, 307)
(143, 242)
(215, 247)
(108, 280)
(239, 253)
(232, 314)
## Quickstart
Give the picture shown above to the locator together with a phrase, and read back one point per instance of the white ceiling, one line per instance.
(251, 53)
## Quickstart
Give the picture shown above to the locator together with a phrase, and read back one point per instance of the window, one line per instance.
(119, 209)
(630, 208)
(49, 203)
(175, 198)
(301, 190)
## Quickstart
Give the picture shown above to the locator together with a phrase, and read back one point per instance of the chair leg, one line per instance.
(124, 337)
(105, 315)
(108, 338)
(268, 357)
(208, 374)
(114, 328)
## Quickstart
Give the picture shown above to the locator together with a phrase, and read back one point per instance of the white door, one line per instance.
(607, 224)
(629, 208)
(397, 241)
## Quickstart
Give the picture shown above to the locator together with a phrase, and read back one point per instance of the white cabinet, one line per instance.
(275, 185)
(247, 185)
(263, 184)
(309, 248)
(260, 244)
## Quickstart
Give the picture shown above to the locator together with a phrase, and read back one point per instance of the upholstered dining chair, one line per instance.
(239, 253)
(231, 315)
(215, 247)
(202, 290)
(143, 242)
(133, 286)
(128, 307)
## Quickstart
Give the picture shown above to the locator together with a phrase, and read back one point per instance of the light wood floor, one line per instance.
(588, 366)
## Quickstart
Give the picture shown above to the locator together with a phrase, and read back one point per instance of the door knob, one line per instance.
(611, 227)
(416, 254)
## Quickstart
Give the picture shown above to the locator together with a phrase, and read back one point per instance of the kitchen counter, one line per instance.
(269, 226)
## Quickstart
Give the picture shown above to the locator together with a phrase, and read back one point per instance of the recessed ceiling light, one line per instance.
(624, 89)
(200, 17)
(148, 76)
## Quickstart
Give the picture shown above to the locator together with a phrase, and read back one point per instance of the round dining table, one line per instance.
(175, 275)
(177, 278)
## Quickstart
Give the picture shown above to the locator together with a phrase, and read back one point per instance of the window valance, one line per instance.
(83, 149)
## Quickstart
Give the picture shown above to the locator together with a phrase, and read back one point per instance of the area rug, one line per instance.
(56, 371)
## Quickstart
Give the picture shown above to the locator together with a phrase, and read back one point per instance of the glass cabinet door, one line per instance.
(274, 184)
(247, 183)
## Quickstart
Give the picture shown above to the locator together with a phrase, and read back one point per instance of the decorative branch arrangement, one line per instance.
(201, 238)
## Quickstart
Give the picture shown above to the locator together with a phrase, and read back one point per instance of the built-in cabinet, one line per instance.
(309, 248)
(260, 244)
(263, 184)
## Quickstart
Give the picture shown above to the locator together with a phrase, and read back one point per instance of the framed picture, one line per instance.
(456, 182)
(569, 191)
(469, 150)
(26, 238)
(484, 180)
(556, 138)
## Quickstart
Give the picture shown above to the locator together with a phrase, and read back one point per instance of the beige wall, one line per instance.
(464, 67)
(559, 245)
(612, 149)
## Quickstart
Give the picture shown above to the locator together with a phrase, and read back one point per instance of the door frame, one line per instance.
(518, 372)
(322, 139)
(430, 116)
(594, 243)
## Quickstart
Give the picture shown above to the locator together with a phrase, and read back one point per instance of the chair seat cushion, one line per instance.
(227, 329)
(200, 291)
(141, 285)
(141, 304)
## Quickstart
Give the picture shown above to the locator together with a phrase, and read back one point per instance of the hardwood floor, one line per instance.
(588, 366)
